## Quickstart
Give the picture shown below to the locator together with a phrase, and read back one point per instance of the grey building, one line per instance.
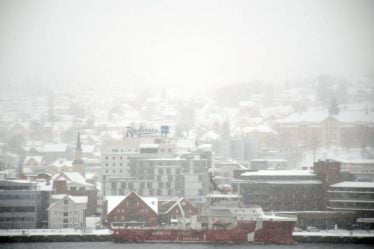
(280, 190)
(23, 205)
(352, 196)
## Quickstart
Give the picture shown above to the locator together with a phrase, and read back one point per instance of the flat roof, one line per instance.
(353, 185)
(279, 173)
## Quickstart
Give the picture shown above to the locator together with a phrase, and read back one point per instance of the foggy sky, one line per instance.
(180, 43)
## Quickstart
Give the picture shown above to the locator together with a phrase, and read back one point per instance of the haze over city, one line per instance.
(183, 44)
(187, 122)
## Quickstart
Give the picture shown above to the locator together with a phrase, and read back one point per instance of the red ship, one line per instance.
(223, 221)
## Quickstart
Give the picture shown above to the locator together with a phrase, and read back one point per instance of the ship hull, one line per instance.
(276, 232)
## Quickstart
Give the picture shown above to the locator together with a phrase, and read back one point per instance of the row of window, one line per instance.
(16, 219)
(116, 157)
(113, 171)
(123, 150)
(19, 197)
(114, 164)
(17, 209)
(151, 192)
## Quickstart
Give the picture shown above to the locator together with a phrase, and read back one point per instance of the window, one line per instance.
(114, 185)
(66, 201)
(66, 213)
(66, 220)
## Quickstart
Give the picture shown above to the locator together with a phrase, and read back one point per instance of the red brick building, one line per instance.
(131, 208)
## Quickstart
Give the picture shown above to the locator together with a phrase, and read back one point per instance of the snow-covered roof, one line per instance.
(210, 136)
(356, 161)
(37, 159)
(74, 199)
(353, 185)
(279, 173)
(319, 115)
(62, 162)
(152, 202)
(47, 148)
(310, 116)
(113, 201)
(78, 199)
(88, 148)
(74, 176)
(57, 196)
(153, 146)
(43, 185)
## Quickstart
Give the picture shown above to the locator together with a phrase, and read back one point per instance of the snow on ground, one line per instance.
(15, 232)
(336, 233)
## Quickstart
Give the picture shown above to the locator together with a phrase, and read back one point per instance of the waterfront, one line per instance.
(110, 245)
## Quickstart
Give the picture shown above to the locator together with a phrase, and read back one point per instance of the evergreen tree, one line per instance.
(334, 108)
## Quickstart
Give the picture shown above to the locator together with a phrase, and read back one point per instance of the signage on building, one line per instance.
(133, 132)
(164, 129)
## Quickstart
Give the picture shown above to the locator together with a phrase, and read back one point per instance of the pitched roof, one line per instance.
(37, 159)
(114, 201)
(74, 199)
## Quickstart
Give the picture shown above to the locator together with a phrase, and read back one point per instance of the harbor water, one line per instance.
(110, 245)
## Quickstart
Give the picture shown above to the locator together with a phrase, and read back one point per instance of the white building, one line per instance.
(116, 154)
(67, 212)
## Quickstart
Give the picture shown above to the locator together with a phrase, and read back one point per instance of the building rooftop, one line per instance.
(353, 185)
(279, 173)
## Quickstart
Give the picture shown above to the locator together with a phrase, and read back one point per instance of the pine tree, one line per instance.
(334, 108)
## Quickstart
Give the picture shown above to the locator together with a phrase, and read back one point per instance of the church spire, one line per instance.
(78, 163)
(79, 146)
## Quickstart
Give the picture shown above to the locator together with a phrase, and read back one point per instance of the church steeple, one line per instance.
(79, 146)
(78, 163)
